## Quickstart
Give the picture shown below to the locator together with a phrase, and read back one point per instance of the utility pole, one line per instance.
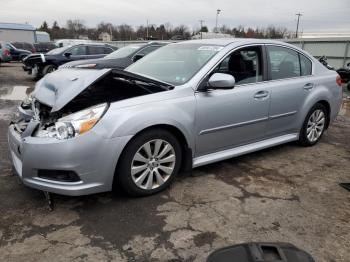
(111, 32)
(147, 30)
(201, 22)
(299, 15)
(216, 23)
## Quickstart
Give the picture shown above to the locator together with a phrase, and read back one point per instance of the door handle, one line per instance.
(261, 94)
(308, 86)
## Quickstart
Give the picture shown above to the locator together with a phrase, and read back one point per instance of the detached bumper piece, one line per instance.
(260, 252)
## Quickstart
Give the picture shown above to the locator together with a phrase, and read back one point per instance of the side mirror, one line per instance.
(221, 81)
(67, 54)
(137, 57)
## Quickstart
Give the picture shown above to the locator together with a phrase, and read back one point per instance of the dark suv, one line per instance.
(121, 58)
(39, 65)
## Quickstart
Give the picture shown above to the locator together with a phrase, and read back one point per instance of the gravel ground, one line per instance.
(286, 193)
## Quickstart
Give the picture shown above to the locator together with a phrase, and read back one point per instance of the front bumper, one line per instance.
(92, 157)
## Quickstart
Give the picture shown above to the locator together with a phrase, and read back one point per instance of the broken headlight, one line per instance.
(75, 124)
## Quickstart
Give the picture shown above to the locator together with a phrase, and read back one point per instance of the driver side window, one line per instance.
(78, 50)
(245, 65)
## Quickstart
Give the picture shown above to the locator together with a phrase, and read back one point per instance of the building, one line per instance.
(105, 37)
(334, 34)
(11, 32)
(42, 36)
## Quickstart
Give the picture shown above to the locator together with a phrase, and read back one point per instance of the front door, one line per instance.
(229, 118)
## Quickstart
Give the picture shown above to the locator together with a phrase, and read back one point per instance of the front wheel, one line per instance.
(49, 69)
(149, 162)
(314, 125)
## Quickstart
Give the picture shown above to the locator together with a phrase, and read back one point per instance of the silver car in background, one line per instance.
(185, 105)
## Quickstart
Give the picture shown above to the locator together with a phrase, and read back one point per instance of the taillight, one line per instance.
(338, 80)
(7, 52)
(33, 50)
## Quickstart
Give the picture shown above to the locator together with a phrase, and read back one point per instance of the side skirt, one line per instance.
(241, 150)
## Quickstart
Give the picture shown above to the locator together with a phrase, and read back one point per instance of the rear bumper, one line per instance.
(92, 157)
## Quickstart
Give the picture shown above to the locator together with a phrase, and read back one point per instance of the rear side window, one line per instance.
(305, 65)
(287, 63)
(96, 50)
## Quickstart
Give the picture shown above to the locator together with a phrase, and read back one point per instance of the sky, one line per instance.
(318, 15)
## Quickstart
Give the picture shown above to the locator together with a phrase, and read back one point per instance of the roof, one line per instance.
(228, 41)
(13, 26)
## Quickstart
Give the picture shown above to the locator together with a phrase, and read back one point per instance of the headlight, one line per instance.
(74, 124)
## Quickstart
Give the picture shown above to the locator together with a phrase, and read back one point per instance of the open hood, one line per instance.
(58, 88)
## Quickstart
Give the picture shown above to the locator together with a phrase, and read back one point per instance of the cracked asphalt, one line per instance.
(287, 193)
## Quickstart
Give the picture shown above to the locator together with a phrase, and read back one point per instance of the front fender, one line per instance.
(178, 113)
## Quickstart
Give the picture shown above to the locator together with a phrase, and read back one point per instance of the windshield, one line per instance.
(123, 52)
(57, 51)
(175, 64)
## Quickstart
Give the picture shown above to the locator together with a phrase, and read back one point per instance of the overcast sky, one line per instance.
(318, 15)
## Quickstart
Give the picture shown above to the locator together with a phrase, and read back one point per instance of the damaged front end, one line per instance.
(68, 103)
(47, 147)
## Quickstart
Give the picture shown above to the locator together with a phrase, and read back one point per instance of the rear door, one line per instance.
(290, 82)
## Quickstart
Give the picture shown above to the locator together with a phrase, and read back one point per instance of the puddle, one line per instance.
(13, 92)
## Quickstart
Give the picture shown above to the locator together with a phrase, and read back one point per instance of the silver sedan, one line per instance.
(185, 105)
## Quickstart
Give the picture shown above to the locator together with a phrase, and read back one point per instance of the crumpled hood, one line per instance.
(58, 88)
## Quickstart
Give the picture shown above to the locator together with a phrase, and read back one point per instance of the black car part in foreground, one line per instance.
(39, 65)
(260, 252)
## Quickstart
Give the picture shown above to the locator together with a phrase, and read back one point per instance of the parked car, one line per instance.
(184, 105)
(25, 46)
(16, 53)
(41, 64)
(121, 58)
(5, 55)
(44, 47)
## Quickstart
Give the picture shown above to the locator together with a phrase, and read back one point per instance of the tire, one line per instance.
(314, 125)
(48, 69)
(141, 173)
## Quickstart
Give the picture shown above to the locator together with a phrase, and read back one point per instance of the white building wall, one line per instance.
(9, 35)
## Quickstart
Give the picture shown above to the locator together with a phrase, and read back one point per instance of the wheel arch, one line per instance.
(186, 161)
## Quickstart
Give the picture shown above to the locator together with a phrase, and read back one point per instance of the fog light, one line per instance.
(58, 175)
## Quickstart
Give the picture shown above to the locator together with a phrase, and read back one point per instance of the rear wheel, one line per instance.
(149, 162)
(314, 125)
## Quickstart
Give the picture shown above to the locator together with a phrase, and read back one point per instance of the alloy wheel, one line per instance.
(153, 164)
(315, 125)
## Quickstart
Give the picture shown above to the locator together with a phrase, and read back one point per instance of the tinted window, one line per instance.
(96, 50)
(78, 50)
(305, 65)
(284, 62)
(245, 65)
